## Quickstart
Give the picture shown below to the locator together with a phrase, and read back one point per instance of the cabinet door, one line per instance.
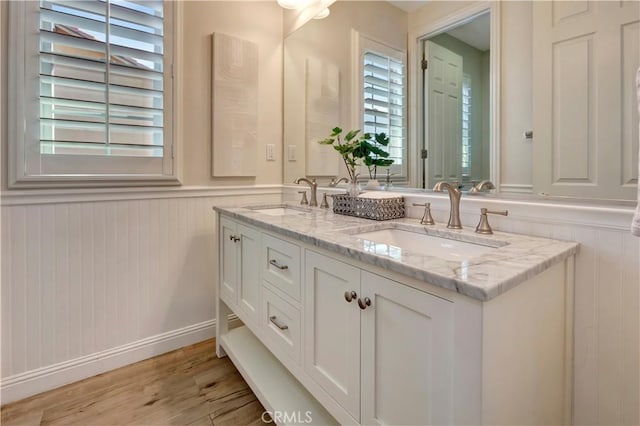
(407, 351)
(228, 262)
(249, 284)
(332, 329)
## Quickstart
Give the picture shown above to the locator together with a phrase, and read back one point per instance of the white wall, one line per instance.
(259, 22)
(94, 281)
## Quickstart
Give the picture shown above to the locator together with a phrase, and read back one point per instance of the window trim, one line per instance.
(360, 44)
(19, 90)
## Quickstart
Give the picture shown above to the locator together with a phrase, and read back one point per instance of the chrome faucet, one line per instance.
(454, 199)
(314, 189)
(485, 184)
(335, 183)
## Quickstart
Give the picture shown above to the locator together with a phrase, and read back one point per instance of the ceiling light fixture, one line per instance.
(323, 13)
(292, 4)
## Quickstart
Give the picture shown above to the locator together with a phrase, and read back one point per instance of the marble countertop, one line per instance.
(514, 259)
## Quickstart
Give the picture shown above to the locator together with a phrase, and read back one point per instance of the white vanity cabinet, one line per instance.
(358, 344)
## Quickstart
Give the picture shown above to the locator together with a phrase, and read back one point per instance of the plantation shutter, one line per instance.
(384, 103)
(101, 78)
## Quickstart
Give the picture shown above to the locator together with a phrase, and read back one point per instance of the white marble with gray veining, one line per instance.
(515, 259)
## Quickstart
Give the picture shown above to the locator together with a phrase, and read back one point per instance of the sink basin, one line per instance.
(392, 242)
(280, 210)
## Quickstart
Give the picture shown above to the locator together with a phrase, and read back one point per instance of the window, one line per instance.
(466, 126)
(93, 91)
(384, 101)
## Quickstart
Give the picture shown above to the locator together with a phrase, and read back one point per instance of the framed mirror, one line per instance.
(351, 70)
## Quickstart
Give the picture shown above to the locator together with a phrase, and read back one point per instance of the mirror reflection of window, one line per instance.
(466, 126)
(384, 101)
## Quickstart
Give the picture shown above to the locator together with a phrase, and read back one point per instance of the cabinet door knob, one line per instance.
(234, 238)
(273, 320)
(364, 303)
(350, 295)
(277, 265)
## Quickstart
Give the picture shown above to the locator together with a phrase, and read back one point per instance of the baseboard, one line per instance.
(234, 321)
(33, 382)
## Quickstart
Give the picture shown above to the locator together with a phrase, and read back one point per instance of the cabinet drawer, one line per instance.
(281, 265)
(281, 323)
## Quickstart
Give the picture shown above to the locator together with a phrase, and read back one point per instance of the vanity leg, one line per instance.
(222, 325)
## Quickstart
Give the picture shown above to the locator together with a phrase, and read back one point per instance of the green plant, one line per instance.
(375, 156)
(353, 148)
(350, 147)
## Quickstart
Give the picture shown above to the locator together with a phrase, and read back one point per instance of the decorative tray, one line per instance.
(369, 208)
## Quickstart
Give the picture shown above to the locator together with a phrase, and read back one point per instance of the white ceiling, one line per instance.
(409, 5)
(475, 33)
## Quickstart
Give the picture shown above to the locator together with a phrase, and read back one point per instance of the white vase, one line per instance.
(372, 184)
(353, 189)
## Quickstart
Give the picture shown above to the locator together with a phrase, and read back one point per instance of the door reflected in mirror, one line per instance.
(456, 104)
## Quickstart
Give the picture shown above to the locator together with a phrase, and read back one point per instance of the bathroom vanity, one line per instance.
(351, 321)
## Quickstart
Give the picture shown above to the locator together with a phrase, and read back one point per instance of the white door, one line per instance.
(585, 118)
(229, 253)
(249, 266)
(407, 355)
(332, 329)
(443, 113)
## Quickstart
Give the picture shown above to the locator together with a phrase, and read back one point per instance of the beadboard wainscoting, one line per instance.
(96, 279)
(606, 353)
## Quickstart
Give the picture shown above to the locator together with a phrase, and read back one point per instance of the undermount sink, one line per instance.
(280, 210)
(391, 242)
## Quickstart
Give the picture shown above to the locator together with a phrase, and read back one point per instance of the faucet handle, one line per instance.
(483, 226)
(427, 219)
(325, 203)
(304, 200)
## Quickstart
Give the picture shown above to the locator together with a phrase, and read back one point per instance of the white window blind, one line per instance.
(466, 125)
(101, 71)
(384, 103)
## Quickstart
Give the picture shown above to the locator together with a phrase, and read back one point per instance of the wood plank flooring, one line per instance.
(189, 386)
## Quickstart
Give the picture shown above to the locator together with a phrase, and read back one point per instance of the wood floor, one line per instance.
(190, 386)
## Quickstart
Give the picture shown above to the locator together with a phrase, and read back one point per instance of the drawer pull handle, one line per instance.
(277, 265)
(280, 326)
(349, 296)
(364, 303)
(234, 238)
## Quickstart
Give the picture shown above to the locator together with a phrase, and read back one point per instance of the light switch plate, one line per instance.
(271, 152)
(292, 152)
